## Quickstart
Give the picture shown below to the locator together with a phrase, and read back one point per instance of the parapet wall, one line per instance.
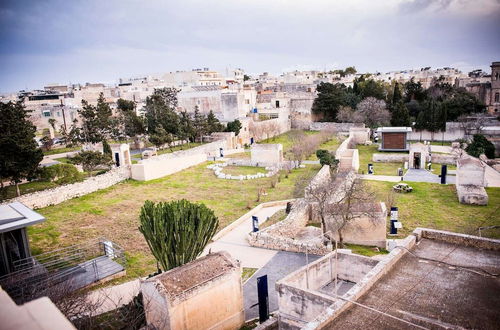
(63, 193)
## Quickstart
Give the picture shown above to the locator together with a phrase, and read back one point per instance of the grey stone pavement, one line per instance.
(282, 264)
(421, 175)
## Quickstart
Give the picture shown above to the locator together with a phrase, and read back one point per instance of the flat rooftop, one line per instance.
(16, 215)
(437, 285)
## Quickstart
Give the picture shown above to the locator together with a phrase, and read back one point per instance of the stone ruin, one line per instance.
(296, 234)
(203, 294)
(266, 154)
(470, 181)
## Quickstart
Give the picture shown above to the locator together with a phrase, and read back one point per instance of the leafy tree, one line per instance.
(106, 149)
(234, 126)
(160, 111)
(480, 145)
(432, 117)
(372, 88)
(213, 124)
(177, 231)
(186, 129)
(200, 124)
(96, 120)
(330, 98)
(52, 123)
(19, 152)
(414, 91)
(400, 115)
(160, 137)
(327, 158)
(47, 142)
(396, 94)
(90, 160)
(246, 77)
(133, 125)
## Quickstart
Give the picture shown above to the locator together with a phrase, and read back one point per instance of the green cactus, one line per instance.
(177, 231)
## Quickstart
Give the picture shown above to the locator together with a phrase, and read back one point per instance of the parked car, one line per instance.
(402, 188)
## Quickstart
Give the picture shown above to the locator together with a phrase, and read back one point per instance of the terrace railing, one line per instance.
(63, 271)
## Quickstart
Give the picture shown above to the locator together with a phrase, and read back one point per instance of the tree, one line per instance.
(400, 115)
(327, 158)
(200, 124)
(133, 125)
(91, 160)
(106, 149)
(47, 142)
(373, 112)
(330, 98)
(52, 123)
(177, 231)
(160, 111)
(472, 124)
(348, 115)
(213, 124)
(480, 145)
(396, 94)
(96, 120)
(186, 129)
(160, 137)
(234, 126)
(414, 91)
(372, 88)
(246, 77)
(19, 152)
(432, 117)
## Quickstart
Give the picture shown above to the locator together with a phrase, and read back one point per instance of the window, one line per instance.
(277, 103)
(58, 114)
(46, 113)
(497, 97)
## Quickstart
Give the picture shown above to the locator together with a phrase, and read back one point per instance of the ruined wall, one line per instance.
(300, 110)
(63, 193)
(267, 153)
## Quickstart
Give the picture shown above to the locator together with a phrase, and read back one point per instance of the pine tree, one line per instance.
(400, 115)
(199, 124)
(106, 149)
(213, 123)
(19, 152)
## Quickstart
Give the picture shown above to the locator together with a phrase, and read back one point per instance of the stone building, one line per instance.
(419, 155)
(494, 104)
(470, 181)
(393, 138)
(203, 294)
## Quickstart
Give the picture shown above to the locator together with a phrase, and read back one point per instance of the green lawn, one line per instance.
(245, 155)
(436, 206)
(65, 160)
(368, 251)
(435, 143)
(366, 157)
(331, 146)
(25, 188)
(113, 212)
(285, 140)
(247, 273)
(61, 150)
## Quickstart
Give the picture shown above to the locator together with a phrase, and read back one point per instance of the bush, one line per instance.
(60, 174)
(326, 158)
(480, 145)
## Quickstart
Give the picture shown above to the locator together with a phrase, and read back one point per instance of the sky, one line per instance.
(61, 41)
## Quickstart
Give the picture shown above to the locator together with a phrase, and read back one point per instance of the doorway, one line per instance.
(416, 160)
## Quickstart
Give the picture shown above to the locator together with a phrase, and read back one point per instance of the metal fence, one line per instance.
(63, 271)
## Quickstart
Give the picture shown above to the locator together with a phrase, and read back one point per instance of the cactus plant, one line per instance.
(177, 231)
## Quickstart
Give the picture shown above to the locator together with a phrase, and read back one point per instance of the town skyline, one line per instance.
(58, 42)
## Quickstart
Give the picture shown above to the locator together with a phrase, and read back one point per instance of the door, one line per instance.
(416, 160)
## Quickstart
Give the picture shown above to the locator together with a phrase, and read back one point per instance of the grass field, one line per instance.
(366, 157)
(25, 188)
(436, 206)
(61, 150)
(113, 212)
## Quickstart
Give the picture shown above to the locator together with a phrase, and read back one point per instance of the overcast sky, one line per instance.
(61, 41)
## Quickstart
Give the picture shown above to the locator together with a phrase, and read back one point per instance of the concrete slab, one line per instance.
(282, 264)
(439, 285)
(421, 175)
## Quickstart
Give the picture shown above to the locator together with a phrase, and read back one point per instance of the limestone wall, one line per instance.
(390, 158)
(63, 193)
(337, 127)
(160, 166)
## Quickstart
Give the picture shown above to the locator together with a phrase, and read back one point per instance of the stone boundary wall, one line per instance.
(60, 194)
(401, 158)
(162, 165)
(456, 238)
(443, 159)
(337, 127)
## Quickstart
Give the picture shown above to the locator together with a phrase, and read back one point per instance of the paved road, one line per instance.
(282, 264)
(421, 175)
(235, 242)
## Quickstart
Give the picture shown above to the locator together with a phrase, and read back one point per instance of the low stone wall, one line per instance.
(63, 193)
(337, 127)
(390, 158)
(443, 159)
(457, 238)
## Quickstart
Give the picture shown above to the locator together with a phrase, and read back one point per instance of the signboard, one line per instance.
(255, 223)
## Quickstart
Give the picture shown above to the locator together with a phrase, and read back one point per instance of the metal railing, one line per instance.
(64, 270)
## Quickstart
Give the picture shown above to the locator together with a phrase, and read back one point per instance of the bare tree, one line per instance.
(472, 124)
(373, 112)
(340, 201)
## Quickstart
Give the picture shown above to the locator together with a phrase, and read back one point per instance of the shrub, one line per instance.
(177, 231)
(481, 145)
(60, 174)
(326, 158)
